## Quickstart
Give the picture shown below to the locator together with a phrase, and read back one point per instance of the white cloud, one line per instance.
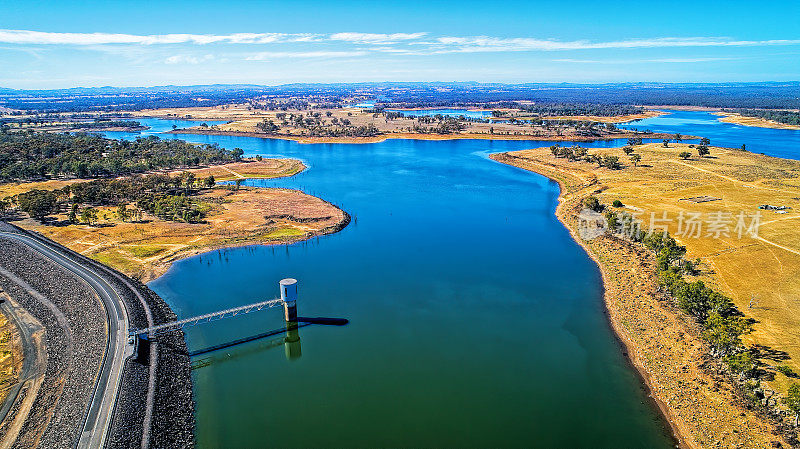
(391, 43)
(450, 44)
(188, 59)
(373, 38)
(639, 61)
(266, 55)
(45, 38)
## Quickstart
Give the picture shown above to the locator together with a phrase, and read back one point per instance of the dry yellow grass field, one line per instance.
(752, 121)
(762, 273)
(10, 354)
(266, 168)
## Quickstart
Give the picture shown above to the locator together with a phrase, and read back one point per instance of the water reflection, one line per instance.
(288, 337)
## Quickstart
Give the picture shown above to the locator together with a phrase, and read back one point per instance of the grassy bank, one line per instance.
(663, 343)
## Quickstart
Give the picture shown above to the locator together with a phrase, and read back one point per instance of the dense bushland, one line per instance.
(31, 155)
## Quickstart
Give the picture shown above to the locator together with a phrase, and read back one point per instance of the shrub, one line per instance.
(593, 203)
(742, 362)
(617, 203)
(793, 401)
(786, 371)
(612, 221)
(685, 155)
(611, 162)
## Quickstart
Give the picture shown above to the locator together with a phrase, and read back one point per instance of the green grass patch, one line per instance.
(285, 232)
(144, 251)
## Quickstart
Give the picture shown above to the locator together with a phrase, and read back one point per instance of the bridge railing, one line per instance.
(159, 329)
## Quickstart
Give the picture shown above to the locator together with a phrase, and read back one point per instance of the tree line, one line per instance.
(31, 155)
(723, 324)
(167, 197)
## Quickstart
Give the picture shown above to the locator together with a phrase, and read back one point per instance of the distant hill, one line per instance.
(776, 95)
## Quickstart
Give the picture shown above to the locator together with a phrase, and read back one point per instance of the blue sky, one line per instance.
(71, 43)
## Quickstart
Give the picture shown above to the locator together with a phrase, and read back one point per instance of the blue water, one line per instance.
(158, 126)
(445, 112)
(364, 104)
(475, 320)
(772, 142)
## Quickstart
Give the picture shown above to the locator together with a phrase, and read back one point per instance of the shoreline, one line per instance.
(683, 405)
(160, 270)
(755, 122)
(626, 345)
(415, 136)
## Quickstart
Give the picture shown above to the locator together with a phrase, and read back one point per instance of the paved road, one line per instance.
(100, 410)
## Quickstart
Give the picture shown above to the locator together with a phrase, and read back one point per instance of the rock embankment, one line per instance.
(75, 341)
(76, 335)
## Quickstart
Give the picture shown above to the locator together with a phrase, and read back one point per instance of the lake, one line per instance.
(475, 320)
(783, 143)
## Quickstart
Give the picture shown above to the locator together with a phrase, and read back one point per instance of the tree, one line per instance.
(705, 141)
(593, 203)
(238, 183)
(635, 141)
(611, 162)
(666, 143)
(677, 137)
(4, 205)
(742, 362)
(190, 179)
(685, 155)
(627, 150)
(268, 126)
(89, 215)
(617, 203)
(744, 147)
(73, 213)
(635, 159)
(37, 203)
(612, 221)
(793, 401)
(703, 151)
(210, 181)
(122, 212)
(237, 154)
